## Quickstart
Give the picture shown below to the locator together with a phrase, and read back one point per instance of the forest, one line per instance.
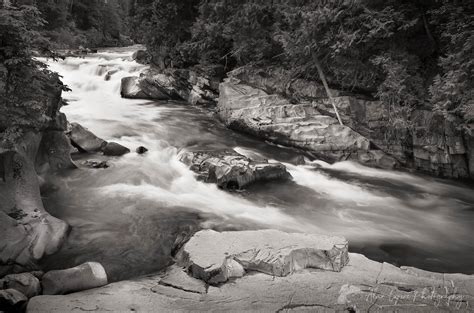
(406, 53)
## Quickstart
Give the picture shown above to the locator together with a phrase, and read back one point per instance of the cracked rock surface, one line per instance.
(362, 285)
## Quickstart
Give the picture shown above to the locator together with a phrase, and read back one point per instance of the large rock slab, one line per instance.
(85, 276)
(217, 256)
(362, 285)
(231, 170)
(300, 125)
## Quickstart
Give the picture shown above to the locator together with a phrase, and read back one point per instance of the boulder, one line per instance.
(142, 57)
(216, 257)
(154, 86)
(26, 283)
(96, 163)
(114, 149)
(231, 170)
(177, 278)
(12, 300)
(301, 125)
(55, 151)
(141, 150)
(85, 140)
(85, 276)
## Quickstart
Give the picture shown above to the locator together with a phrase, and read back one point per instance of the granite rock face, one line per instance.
(301, 125)
(433, 145)
(231, 170)
(82, 277)
(215, 257)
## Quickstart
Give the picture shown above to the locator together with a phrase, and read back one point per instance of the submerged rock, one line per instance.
(96, 163)
(85, 276)
(141, 150)
(216, 257)
(85, 140)
(114, 149)
(26, 283)
(231, 170)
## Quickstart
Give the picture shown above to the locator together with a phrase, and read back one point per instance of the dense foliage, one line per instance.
(406, 53)
(87, 23)
(28, 90)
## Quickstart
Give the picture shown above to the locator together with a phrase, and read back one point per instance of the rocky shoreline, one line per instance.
(264, 270)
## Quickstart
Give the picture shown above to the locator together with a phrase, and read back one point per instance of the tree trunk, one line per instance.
(328, 91)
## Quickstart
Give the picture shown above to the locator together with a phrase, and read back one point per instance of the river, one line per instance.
(127, 216)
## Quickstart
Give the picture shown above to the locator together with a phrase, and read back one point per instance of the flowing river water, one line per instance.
(128, 215)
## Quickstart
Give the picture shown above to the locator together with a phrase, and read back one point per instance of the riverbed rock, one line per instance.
(141, 150)
(231, 170)
(177, 278)
(85, 276)
(95, 163)
(301, 125)
(114, 149)
(85, 140)
(156, 86)
(26, 283)
(215, 257)
(362, 285)
(55, 151)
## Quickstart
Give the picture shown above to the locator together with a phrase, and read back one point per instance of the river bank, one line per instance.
(133, 216)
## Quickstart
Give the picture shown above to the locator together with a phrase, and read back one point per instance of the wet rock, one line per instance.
(85, 140)
(55, 151)
(231, 170)
(114, 149)
(215, 257)
(12, 300)
(274, 118)
(85, 276)
(26, 283)
(153, 87)
(96, 163)
(141, 150)
(109, 74)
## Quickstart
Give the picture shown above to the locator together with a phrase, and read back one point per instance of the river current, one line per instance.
(128, 215)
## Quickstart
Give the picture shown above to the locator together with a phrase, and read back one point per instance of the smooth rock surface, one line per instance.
(85, 140)
(114, 149)
(217, 256)
(26, 283)
(85, 276)
(177, 278)
(231, 170)
(362, 285)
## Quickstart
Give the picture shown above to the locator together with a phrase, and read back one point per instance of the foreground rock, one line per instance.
(216, 257)
(231, 170)
(362, 285)
(27, 231)
(85, 276)
(11, 300)
(273, 117)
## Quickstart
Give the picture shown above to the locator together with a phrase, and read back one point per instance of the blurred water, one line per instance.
(128, 215)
